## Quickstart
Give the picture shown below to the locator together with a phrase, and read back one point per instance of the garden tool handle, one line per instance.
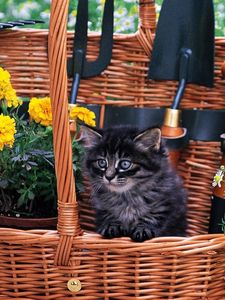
(171, 129)
(78, 65)
(183, 75)
(5, 25)
(171, 126)
(74, 89)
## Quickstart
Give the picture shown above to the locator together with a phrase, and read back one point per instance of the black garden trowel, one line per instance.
(183, 50)
(78, 66)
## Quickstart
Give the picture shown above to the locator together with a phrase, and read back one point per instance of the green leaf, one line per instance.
(31, 195)
(21, 200)
(22, 191)
(4, 183)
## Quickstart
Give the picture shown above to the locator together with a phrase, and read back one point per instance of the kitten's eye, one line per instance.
(102, 163)
(125, 164)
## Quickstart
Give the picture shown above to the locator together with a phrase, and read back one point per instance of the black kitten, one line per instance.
(135, 191)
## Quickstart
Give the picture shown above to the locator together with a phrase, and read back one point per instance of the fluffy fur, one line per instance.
(135, 191)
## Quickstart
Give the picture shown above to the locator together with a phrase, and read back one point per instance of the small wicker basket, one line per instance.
(72, 263)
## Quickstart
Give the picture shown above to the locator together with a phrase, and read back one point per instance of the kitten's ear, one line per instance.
(148, 139)
(88, 136)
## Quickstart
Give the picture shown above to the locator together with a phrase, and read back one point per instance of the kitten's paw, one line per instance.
(141, 233)
(111, 231)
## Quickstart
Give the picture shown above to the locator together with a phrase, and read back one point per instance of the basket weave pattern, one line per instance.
(37, 264)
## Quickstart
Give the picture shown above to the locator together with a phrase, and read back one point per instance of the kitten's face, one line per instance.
(116, 172)
(118, 159)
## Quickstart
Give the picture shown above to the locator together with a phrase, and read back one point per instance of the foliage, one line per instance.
(27, 181)
(27, 174)
(223, 224)
(125, 16)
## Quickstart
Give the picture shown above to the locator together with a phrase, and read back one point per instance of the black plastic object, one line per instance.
(11, 24)
(78, 66)
(184, 24)
(185, 56)
(30, 22)
(202, 124)
(16, 23)
(4, 25)
(217, 214)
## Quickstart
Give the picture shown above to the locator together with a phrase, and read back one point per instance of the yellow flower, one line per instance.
(7, 93)
(4, 75)
(40, 110)
(11, 98)
(7, 131)
(83, 114)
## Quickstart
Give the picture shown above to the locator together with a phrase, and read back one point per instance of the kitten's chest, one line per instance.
(130, 209)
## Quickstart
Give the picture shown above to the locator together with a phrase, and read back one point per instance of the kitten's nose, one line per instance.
(109, 177)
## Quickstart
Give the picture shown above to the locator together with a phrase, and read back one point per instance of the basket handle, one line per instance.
(68, 220)
(147, 25)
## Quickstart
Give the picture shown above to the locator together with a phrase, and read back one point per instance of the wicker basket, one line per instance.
(38, 264)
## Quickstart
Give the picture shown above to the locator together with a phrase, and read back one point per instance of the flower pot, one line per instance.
(28, 223)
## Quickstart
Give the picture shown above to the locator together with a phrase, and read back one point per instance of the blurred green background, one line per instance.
(125, 16)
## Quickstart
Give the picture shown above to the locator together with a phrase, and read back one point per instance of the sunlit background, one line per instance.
(125, 15)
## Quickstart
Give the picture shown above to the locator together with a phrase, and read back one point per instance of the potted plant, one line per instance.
(28, 195)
